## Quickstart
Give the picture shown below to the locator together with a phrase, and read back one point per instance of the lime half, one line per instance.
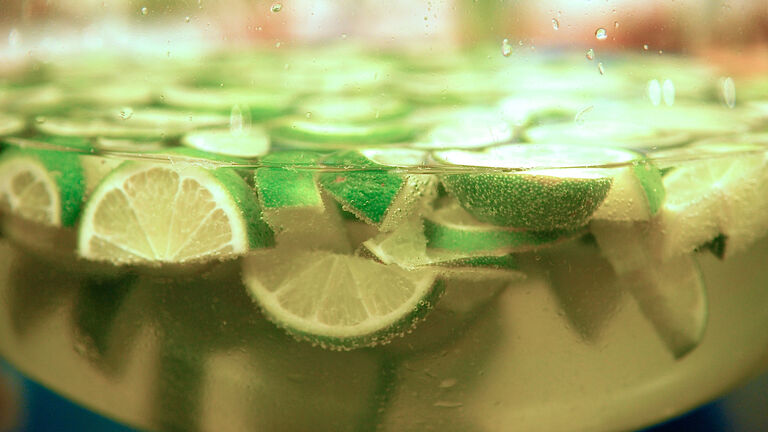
(533, 186)
(338, 301)
(160, 213)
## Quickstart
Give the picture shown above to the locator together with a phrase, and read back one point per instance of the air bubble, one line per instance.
(144, 11)
(126, 113)
(555, 24)
(645, 47)
(186, 19)
(239, 120)
(601, 34)
(590, 54)
(506, 48)
(14, 37)
(276, 7)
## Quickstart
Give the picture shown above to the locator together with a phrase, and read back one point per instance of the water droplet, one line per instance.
(645, 47)
(277, 44)
(506, 48)
(276, 7)
(14, 37)
(343, 35)
(239, 120)
(186, 19)
(653, 91)
(144, 11)
(590, 54)
(447, 404)
(615, 25)
(600, 68)
(126, 113)
(555, 24)
(601, 34)
(308, 115)
(668, 92)
(729, 91)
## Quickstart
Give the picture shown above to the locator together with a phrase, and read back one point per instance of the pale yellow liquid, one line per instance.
(174, 352)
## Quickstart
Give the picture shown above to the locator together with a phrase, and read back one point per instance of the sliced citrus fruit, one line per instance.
(151, 213)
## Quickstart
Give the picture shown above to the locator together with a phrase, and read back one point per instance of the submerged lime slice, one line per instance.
(162, 213)
(300, 132)
(11, 124)
(338, 301)
(249, 143)
(258, 104)
(294, 206)
(452, 228)
(672, 296)
(534, 187)
(374, 191)
(474, 130)
(42, 186)
(637, 193)
(353, 109)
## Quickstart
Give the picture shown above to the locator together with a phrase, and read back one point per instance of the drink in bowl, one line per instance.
(349, 237)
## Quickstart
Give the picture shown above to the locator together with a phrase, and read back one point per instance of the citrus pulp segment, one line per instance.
(149, 213)
(41, 185)
(338, 301)
(376, 193)
(516, 192)
(672, 296)
(637, 193)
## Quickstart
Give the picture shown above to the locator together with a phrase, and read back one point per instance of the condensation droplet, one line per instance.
(126, 113)
(506, 48)
(601, 34)
(590, 54)
(668, 92)
(144, 11)
(653, 90)
(555, 24)
(276, 7)
(728, 88)
(600, 68)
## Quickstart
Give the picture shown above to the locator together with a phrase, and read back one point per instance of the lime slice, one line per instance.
(93, 127)
(538, 195)
(524, 110)
(467, 132)
(246, 144)
(725, 195)
(353, 109)
(637, 193)
(294, 206)
(672, 296)
(11, 124)
(42, 186)
(620, 133)
(452, 228)
(338, 301)
(374, 192)
(153, 213)
(305, 133)
(259, 104)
